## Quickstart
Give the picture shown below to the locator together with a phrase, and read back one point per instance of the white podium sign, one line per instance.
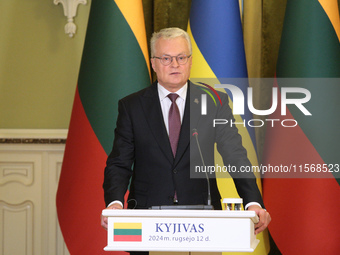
(181, 230)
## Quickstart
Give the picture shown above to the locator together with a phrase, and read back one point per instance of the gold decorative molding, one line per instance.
(33, 136)
(32, 141)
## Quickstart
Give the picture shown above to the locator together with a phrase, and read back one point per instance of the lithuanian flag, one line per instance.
(305, 212)
(114, 64)
(127, 232)
(216, 34)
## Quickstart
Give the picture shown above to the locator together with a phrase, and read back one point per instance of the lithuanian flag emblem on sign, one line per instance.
(127, 232)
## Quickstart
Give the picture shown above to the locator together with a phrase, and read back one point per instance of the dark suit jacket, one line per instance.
(141, 143)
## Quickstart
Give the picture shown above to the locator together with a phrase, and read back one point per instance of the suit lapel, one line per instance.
(154, 117)
(195, 106)
(190, 120)
(184, 137)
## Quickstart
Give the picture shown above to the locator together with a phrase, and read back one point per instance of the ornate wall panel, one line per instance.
(29, 174)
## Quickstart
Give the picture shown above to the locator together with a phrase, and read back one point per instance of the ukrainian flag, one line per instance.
(218, 52)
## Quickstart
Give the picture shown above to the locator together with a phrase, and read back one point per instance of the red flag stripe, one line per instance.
(78, 212)
(297, 204)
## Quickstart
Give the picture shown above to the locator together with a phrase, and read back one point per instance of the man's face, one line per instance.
(172, 76)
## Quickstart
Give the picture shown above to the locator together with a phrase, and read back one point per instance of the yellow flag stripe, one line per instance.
(133, 13)
(332, 10)
(127, 225)
(200, 67)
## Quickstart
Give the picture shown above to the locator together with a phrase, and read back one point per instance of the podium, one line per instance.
(181, 230)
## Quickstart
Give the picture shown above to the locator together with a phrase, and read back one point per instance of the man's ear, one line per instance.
(152, 60)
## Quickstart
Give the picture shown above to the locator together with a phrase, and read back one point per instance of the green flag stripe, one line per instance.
(110, 47)
(314, 51)
(134, 232)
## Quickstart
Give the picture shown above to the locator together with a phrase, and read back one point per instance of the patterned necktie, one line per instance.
(174, 123)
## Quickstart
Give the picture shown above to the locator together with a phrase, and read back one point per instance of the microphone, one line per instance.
(195, 134)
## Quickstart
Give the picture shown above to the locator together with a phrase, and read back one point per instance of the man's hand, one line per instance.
(263, 216)
(104, 219)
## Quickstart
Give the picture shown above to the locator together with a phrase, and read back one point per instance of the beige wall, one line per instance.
(39, 64)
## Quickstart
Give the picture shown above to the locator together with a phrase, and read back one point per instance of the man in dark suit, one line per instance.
(143, 139)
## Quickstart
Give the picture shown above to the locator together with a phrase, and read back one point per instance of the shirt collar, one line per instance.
(163, 92)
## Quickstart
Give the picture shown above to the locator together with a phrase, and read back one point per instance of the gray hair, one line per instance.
(169, 33)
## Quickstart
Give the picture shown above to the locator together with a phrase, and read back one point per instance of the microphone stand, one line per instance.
(190, 207)
(206, 175)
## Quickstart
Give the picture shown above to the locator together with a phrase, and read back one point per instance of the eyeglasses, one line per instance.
(167, 59)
